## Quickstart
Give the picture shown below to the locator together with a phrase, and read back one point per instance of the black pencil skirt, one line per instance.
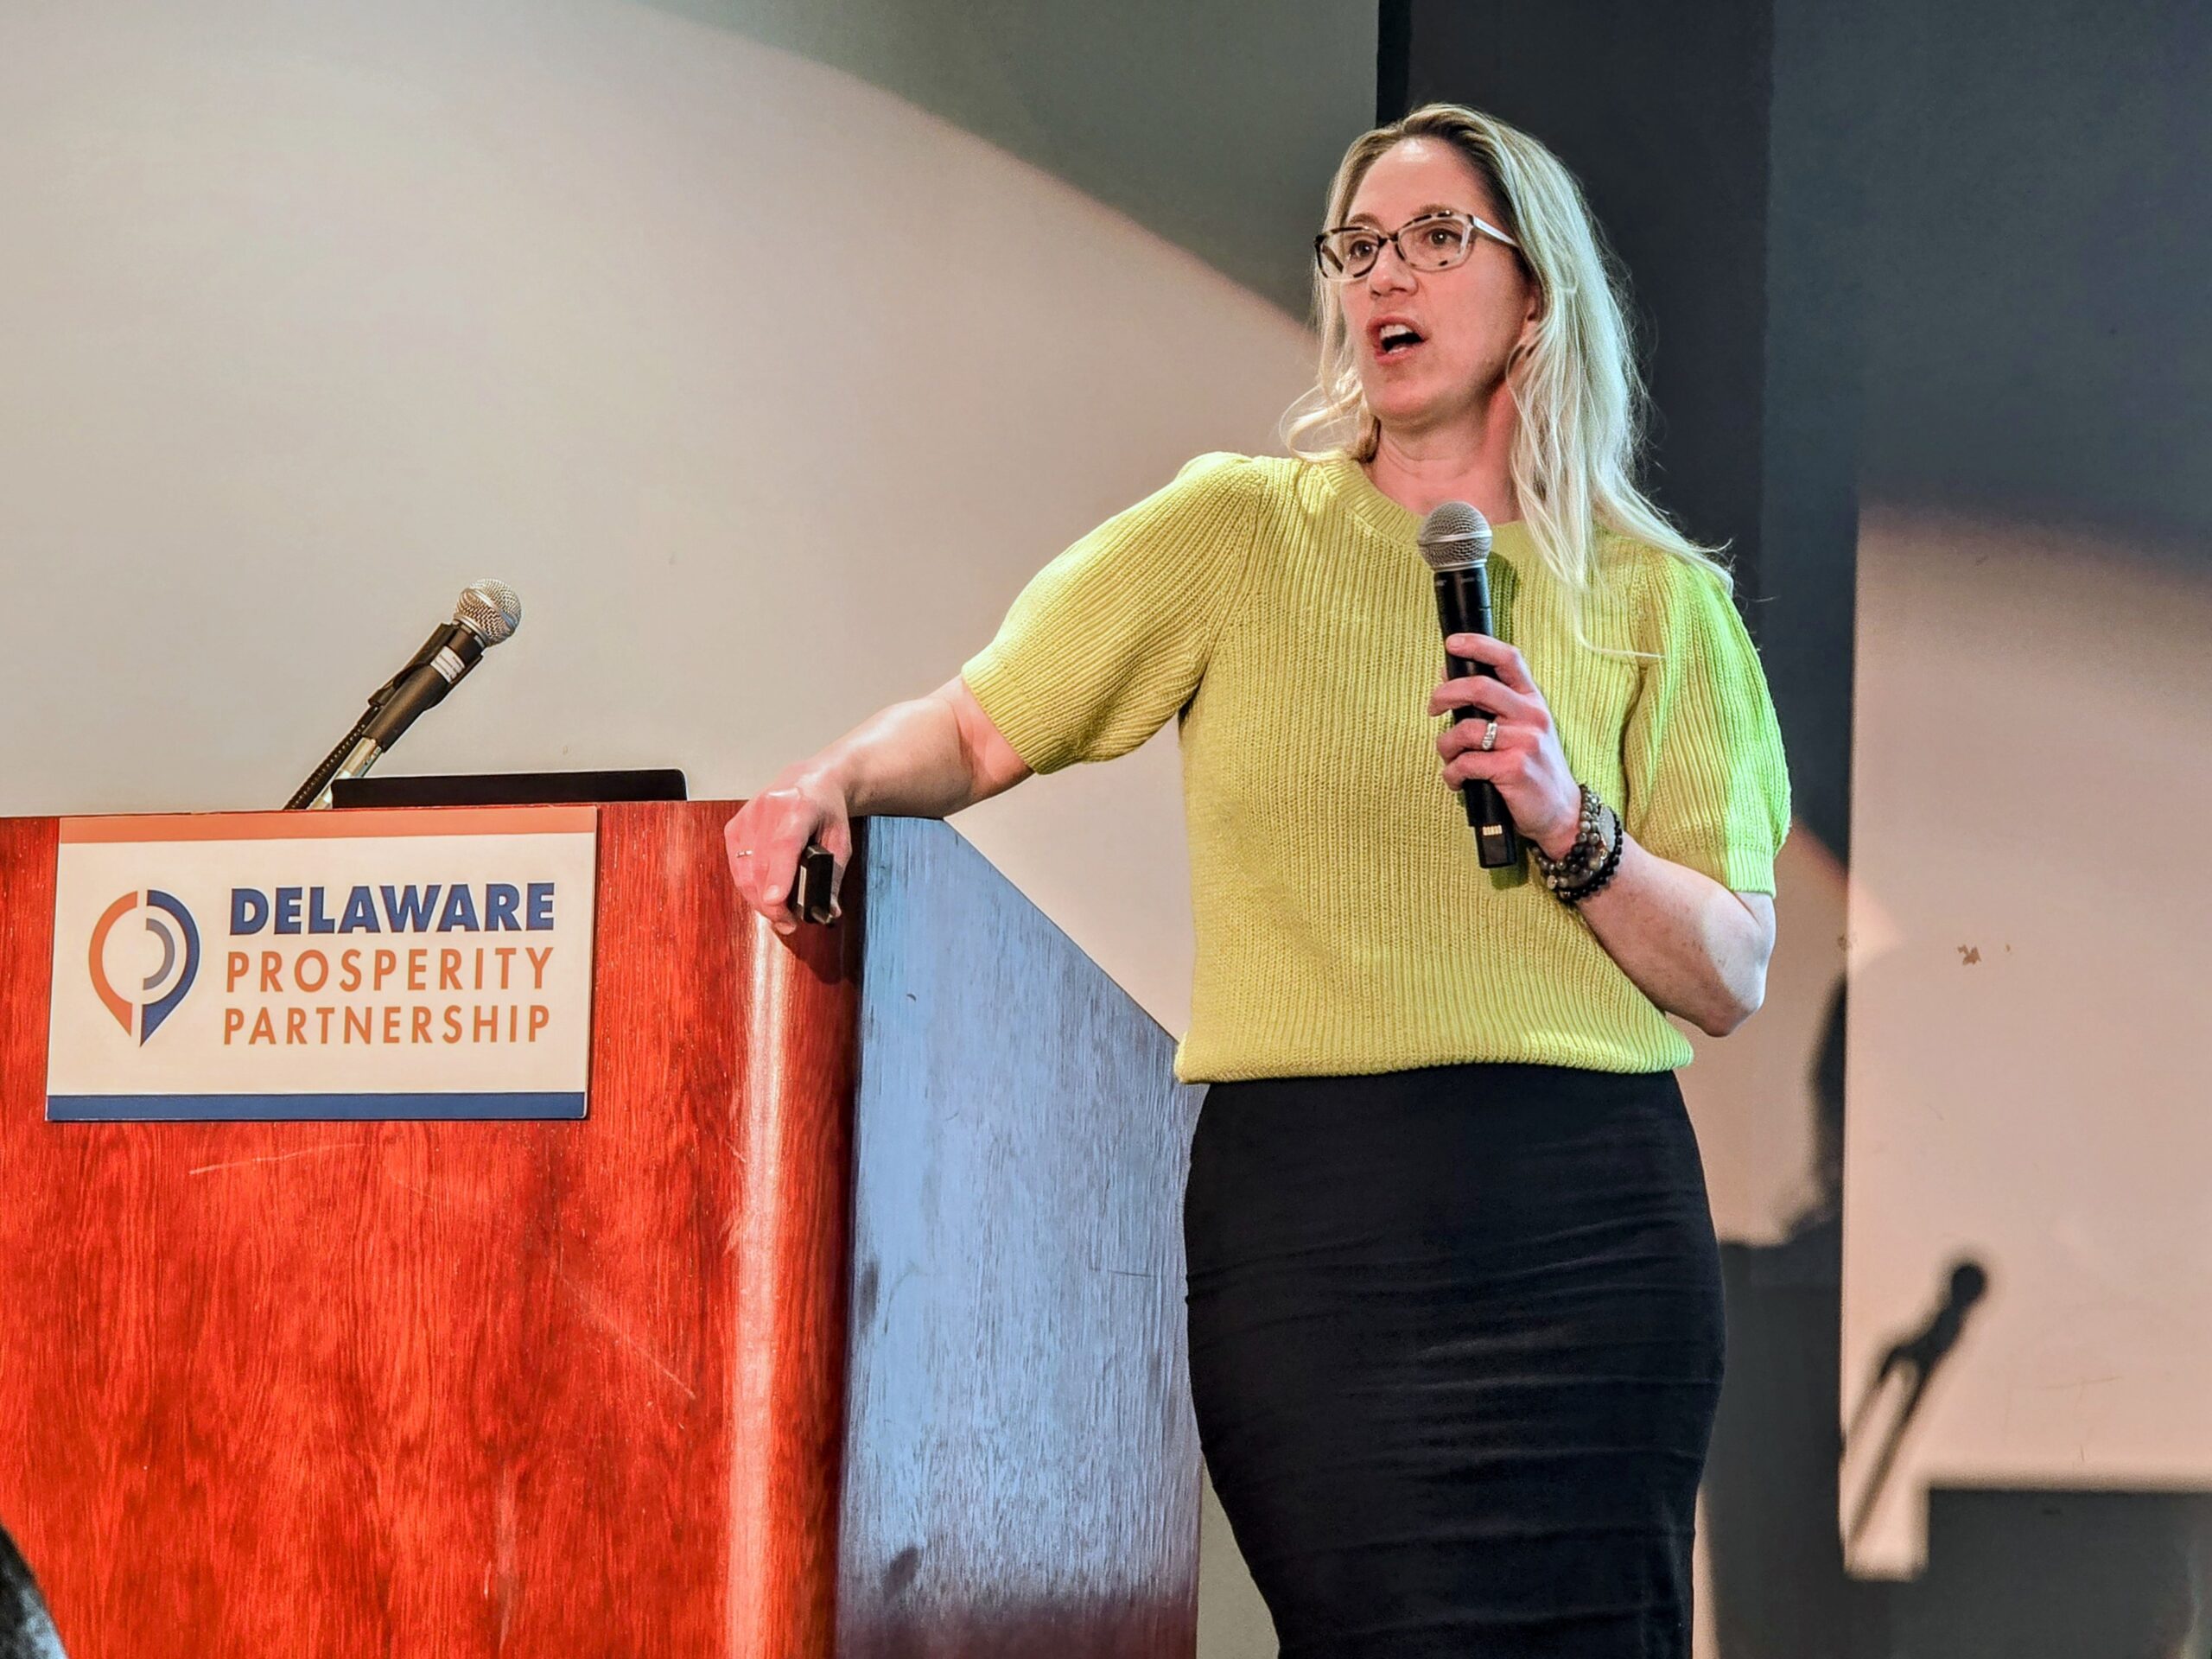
(1456, 1341)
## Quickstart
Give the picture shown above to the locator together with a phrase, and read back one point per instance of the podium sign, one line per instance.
(331, 965)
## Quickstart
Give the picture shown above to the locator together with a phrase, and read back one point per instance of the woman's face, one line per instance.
(1467, 319)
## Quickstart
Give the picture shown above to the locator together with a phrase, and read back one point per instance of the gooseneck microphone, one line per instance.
(1455, 545)
(488, 612)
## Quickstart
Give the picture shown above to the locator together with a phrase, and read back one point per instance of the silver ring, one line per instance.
(1489, 735)
(748, 853)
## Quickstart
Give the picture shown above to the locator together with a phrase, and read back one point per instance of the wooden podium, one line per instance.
(849, 1322)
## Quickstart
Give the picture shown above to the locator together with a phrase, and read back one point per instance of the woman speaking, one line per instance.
(1454, 1299)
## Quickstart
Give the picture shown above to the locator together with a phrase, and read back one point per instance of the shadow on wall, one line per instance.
(2012, 1574)
(1887, 1408)
(1215, 124)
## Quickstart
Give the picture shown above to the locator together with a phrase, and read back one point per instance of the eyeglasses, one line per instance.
(1432, 242)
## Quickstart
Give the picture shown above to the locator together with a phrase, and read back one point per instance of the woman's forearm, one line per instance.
(903, 761)
(1692, 946)
(926, 758)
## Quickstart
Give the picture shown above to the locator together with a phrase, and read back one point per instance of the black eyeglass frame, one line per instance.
(1475, 224)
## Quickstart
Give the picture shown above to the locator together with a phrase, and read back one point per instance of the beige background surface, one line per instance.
(2029, 978)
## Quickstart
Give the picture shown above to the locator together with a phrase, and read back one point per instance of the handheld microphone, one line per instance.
(1454, 543)
(489, 612)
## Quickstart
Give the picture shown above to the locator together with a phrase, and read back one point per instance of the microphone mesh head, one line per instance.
(1454, 537)
(490, 610)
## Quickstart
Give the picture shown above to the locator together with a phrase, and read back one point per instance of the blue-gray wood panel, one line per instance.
(1021, 1470)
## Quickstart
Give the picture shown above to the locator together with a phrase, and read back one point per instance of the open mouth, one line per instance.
(1396, 340)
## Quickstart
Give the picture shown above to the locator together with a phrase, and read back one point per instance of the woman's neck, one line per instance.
(1419, 469)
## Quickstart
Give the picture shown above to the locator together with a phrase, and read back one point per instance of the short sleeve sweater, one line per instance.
(1343, 923)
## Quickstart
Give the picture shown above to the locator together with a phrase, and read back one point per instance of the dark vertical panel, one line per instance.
(1722, 152)
(1393, 29)
(1662, 112)
(2038, 231)
(1816, 229)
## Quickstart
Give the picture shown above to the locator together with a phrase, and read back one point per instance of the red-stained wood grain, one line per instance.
(595, 1387)
(792, 1244)
(519, 1388)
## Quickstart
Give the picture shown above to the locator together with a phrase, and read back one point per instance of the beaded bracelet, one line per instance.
(1593, 859)
(1584, 856)
(1597, 883)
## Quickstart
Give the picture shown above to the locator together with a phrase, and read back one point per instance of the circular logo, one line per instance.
(140, 1009)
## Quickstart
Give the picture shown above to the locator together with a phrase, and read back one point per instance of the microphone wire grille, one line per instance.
(1453, 537)
(490, 610)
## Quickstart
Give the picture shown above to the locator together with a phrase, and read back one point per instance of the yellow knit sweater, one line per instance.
(1344, 923)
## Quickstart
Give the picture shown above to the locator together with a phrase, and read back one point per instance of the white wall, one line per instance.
(728, 362)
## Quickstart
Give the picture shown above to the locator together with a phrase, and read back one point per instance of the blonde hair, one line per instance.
(1580, 398)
